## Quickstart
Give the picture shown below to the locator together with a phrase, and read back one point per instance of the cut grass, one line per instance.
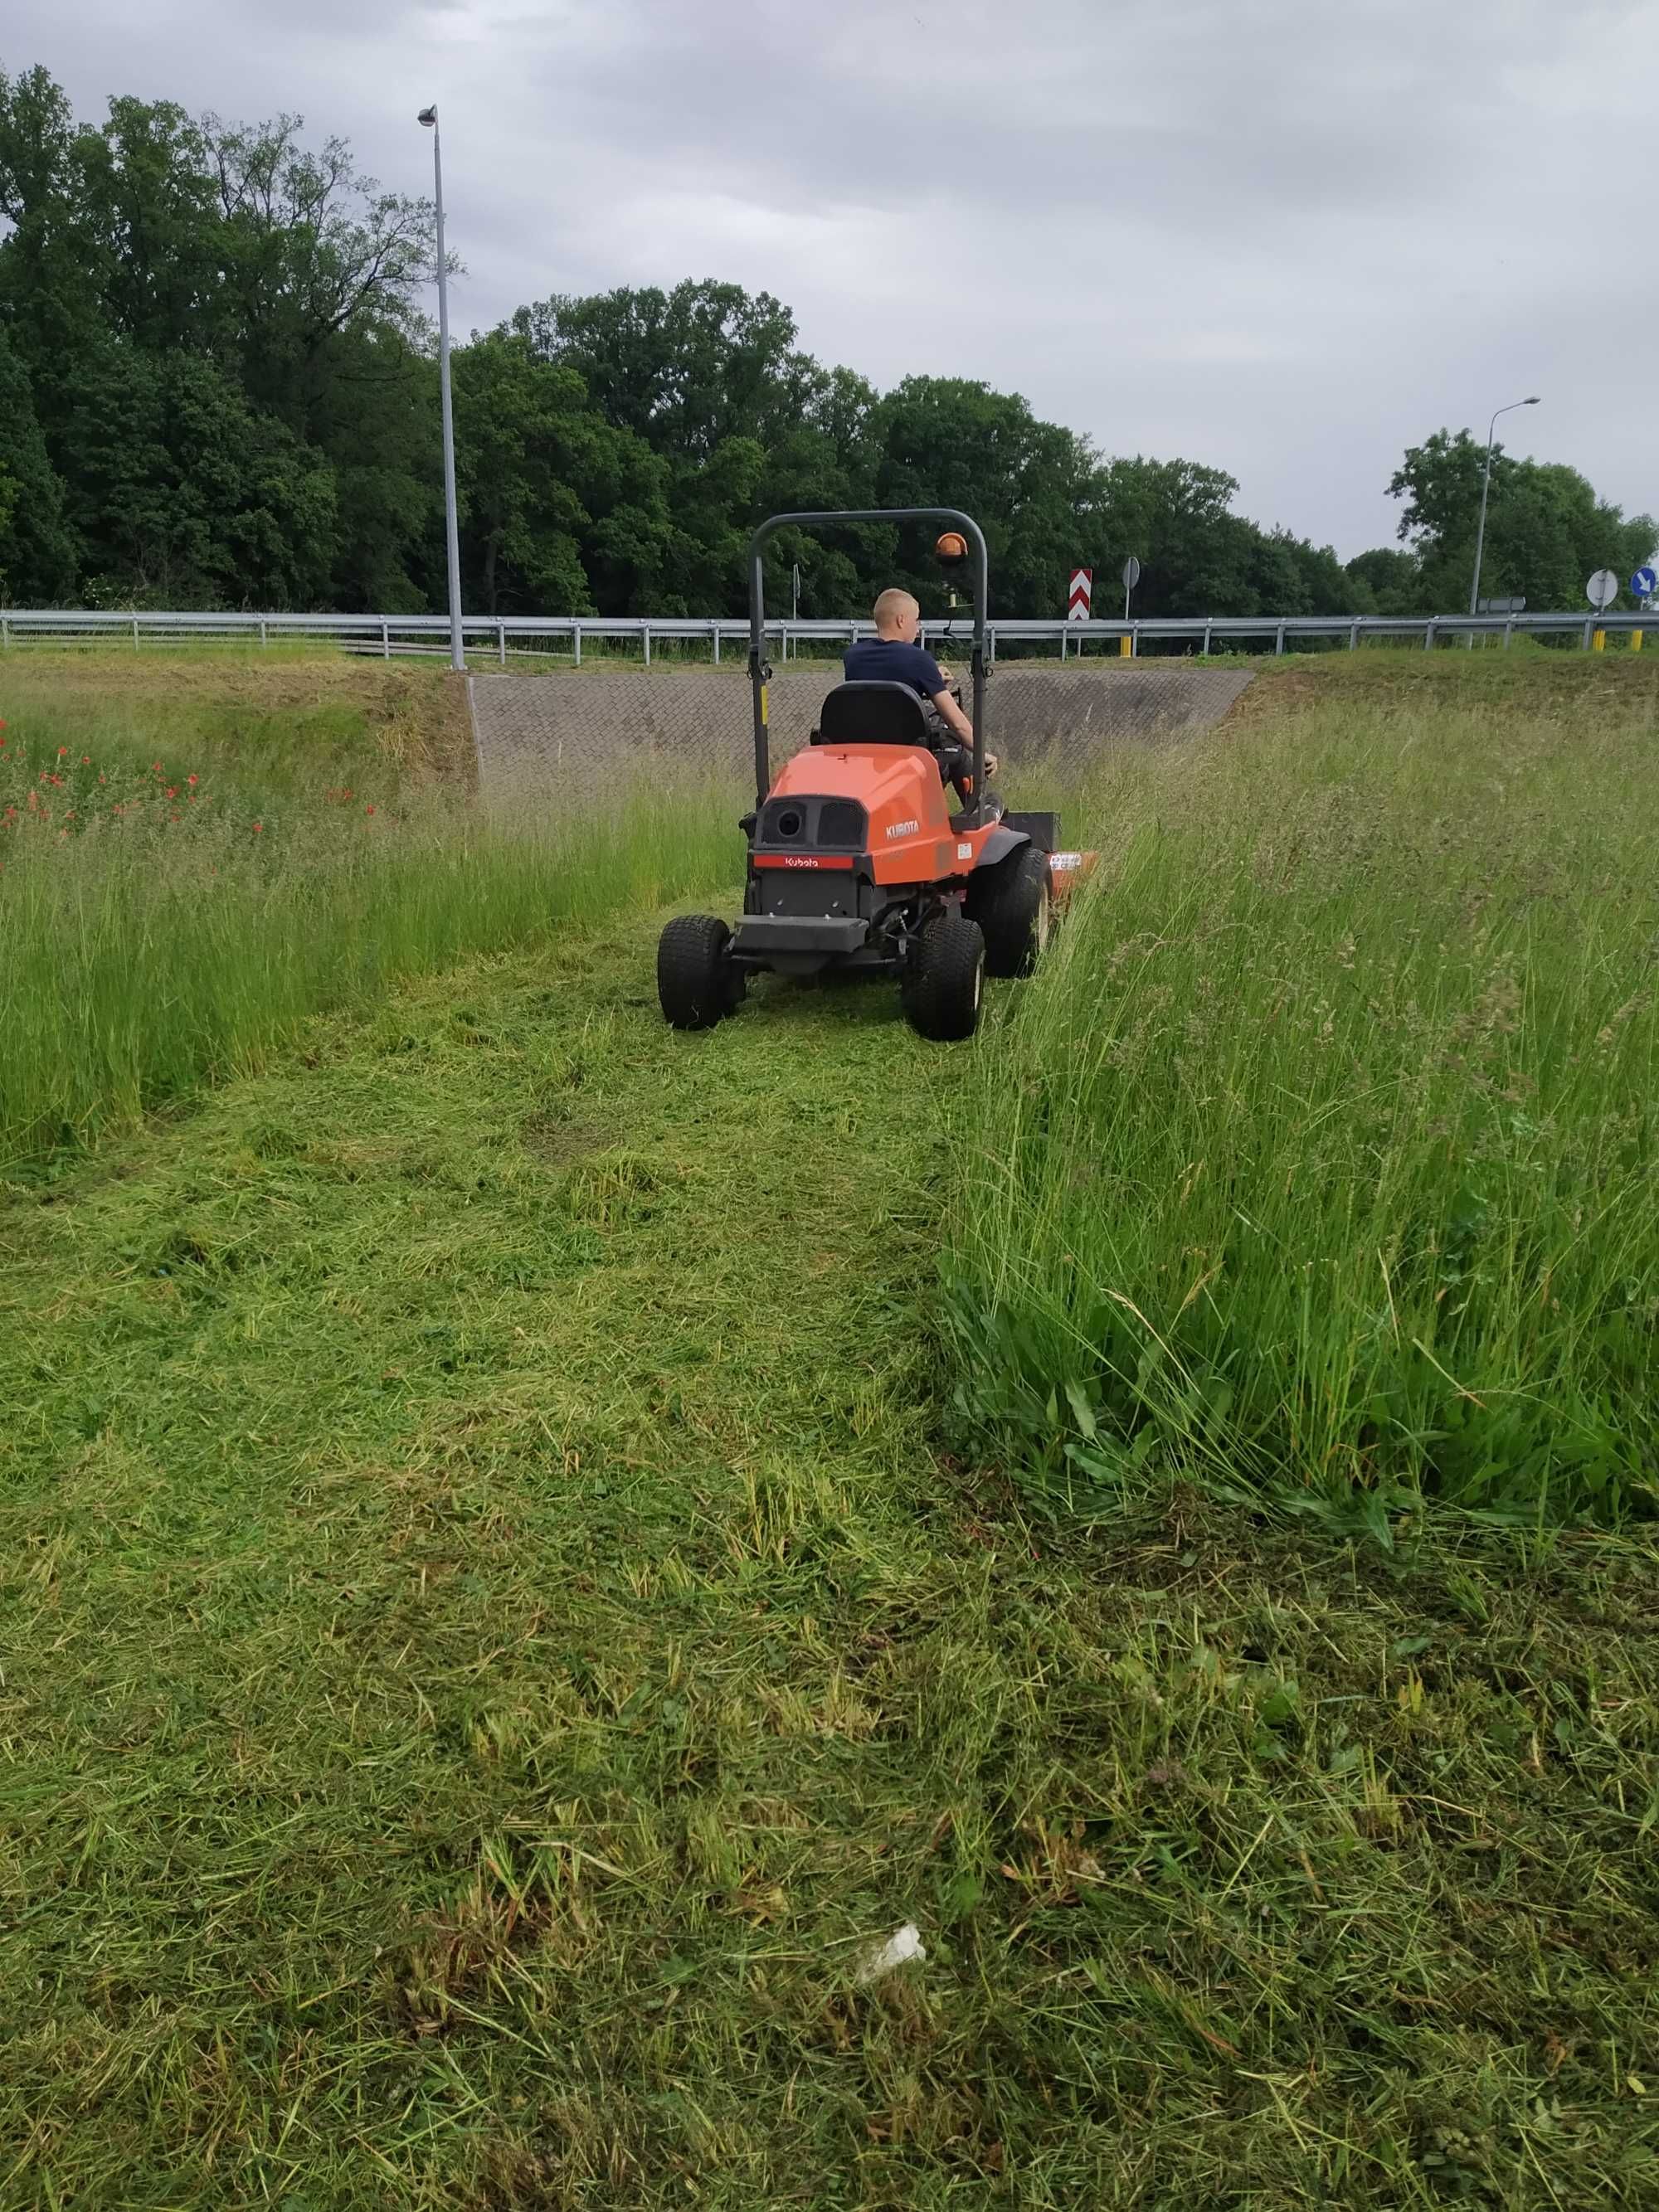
(1322, 1150)
(490, 1633)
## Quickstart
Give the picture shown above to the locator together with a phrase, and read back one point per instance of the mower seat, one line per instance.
(873, 714)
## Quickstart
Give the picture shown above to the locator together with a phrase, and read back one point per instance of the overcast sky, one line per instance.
(1286, 237)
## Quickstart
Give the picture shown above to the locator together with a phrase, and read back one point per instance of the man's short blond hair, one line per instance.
(893, 604)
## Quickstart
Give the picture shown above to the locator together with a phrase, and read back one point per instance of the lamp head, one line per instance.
(1533, 401)
(428, 117)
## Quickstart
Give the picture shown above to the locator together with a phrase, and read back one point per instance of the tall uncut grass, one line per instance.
(160, 928)
(1321, 1151)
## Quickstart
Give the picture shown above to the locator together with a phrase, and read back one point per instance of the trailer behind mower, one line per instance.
(855, 859)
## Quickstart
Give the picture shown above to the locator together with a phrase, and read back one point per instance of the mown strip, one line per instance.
(490, 1629)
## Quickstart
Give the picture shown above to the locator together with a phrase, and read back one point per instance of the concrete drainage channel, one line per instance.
(566, 736)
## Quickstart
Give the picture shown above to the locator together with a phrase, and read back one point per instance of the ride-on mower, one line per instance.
(855, 859)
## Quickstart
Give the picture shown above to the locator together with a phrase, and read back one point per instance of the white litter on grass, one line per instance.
(899, 1949)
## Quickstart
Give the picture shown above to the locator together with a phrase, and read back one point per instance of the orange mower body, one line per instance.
(856, 861)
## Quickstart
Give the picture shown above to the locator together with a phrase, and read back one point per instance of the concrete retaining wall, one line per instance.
(575, 732)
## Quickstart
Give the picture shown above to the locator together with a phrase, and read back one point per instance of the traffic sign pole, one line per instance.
(1601, 591)
(1642, 586)
(1079, 601)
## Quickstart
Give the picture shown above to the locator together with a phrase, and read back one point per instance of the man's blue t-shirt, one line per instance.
(888, 660)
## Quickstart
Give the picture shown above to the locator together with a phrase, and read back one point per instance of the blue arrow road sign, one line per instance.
(1644, 584)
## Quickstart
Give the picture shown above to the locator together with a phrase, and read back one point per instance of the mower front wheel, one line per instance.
(942, 986)
(697, 980)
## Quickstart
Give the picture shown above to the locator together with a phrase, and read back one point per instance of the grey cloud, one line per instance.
(1281, 237)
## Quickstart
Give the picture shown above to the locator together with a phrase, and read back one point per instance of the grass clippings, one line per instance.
(492, 1632)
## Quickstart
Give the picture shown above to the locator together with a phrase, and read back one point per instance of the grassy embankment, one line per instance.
(201, 851)
(492, 1625)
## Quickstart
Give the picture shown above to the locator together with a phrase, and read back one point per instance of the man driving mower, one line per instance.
(894, 655)
(856, 862)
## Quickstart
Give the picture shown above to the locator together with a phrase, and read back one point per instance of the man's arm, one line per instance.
(962, 728)
(953, 714)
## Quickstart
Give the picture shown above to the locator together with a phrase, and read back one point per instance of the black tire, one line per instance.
(697, 981)
(941, 988)
(1011, 901)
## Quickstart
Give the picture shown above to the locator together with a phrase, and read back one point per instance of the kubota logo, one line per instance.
(904, 829)
(799, 860)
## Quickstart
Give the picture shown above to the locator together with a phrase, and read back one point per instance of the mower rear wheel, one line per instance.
(1011, 901)
(697, 980)
(941, 988)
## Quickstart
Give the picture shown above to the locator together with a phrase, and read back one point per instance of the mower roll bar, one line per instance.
(760, 674)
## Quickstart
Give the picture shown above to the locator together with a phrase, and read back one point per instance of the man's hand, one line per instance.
(992, 764)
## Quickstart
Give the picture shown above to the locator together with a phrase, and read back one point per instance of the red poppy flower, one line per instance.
(62, 750)
(173, 790)
(258, 827)
(368, 809)
(190, 781)
(85, 760)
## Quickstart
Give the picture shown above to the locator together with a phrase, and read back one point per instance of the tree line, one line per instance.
(218, 389)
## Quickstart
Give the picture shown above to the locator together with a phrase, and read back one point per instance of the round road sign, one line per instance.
(1602, 590)
(1644, 584)
(1131, 573)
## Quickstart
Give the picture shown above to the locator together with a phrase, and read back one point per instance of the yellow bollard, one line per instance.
(1636, 640)
(1126, 645)
(1598, 641)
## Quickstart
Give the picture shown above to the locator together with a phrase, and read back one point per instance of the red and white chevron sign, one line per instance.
(1079, 598)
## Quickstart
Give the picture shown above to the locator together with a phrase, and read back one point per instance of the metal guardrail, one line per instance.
(503, 636)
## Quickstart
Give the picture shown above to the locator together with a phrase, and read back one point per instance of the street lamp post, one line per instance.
(1485, 487)
(429, 116)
